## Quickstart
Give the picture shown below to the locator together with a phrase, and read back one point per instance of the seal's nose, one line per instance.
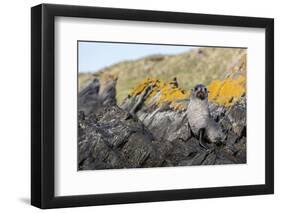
(201, 94)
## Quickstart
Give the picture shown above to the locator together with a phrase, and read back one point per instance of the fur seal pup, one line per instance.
(199, 118)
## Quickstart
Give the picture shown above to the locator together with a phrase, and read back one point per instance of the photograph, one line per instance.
(134, 105)
(144, 105)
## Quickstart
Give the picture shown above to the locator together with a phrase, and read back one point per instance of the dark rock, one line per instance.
(108, 94)
(139, 135)
(167, 125)
(109, 141)
(231, 138)
(216, 111)
(237, 117)
(181, 151)
(88, 98)
(210, 159)
(198, 159)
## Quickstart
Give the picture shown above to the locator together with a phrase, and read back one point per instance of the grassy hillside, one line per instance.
(203, 65)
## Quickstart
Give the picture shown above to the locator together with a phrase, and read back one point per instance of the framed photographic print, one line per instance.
(139, 106)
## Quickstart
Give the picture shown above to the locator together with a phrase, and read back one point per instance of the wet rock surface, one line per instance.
(138, 135)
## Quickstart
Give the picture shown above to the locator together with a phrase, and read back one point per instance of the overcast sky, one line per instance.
(94, 56)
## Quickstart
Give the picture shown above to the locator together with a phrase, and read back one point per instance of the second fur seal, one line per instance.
(201, 123)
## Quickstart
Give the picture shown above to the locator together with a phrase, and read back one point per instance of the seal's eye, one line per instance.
(205, 89)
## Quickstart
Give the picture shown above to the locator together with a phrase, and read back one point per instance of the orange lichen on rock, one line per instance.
(162, 93)
(228, 91)
(142, 85)
(233, 87)
(224, 92)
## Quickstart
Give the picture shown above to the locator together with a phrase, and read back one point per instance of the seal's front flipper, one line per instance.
(201, 143)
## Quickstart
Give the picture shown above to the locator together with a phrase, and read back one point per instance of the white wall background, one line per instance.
(15, 105)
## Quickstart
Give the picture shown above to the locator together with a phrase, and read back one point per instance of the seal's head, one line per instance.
(200, 92)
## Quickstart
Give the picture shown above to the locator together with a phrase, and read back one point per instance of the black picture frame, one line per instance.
(43, 102)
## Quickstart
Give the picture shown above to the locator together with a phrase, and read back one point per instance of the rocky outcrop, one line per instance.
(92, 98)
(169, 122)
(150, 129)
(108, 140)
